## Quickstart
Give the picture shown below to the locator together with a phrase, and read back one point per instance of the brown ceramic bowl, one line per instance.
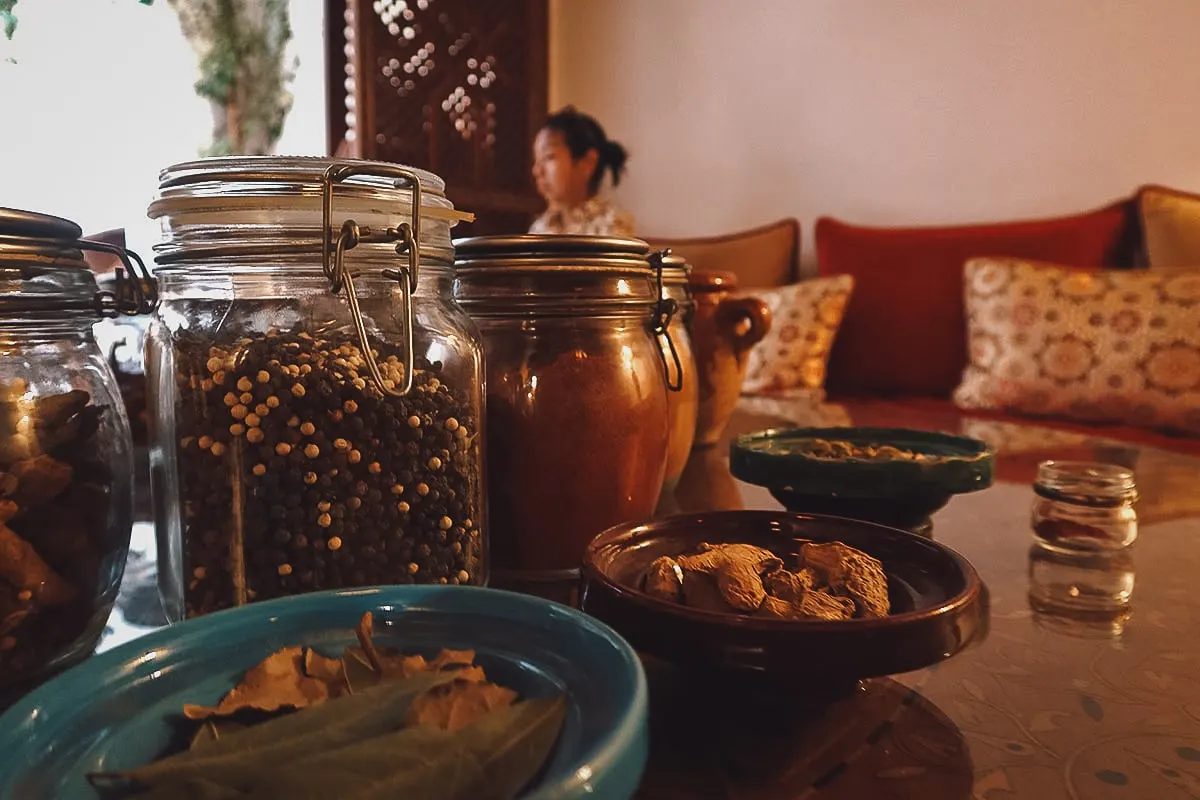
(939, 605)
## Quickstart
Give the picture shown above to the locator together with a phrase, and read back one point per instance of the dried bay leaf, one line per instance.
(373, 723)
(365, 633)
(493, 758)
(279, 681)
(525, 742)
(326, 670)
(453, 706)
(453, 658)
(194, 789)
(359, 674)
(238, 757)
(212, 730)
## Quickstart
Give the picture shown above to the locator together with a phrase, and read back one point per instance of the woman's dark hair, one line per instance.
(582, 133)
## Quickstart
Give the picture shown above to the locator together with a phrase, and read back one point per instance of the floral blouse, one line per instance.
(596, 217)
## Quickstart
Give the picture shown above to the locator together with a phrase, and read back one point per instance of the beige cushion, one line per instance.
(805, 318)
(763, 257)
(1096, 345)
(1171, 226)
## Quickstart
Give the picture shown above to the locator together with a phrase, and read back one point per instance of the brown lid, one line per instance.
(535, 274)
(701, 282)
(546, 246)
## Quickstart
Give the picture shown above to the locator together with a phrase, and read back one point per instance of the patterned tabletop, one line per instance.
(1050, 706)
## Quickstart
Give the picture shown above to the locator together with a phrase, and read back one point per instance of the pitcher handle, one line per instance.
(745, 320)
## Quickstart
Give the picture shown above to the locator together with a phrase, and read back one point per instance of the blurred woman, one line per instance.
(571, 156)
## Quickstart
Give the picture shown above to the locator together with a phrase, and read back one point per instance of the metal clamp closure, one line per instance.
(335, 243)
(137, 291)
(664, 310)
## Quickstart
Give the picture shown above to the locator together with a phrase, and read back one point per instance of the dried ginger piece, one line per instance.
(664, 579)
(814, 604)
(823, 605)
(278, 682)
(709, 557)
(738, 569)
(852, 572)
(789, 586)
(700, 591)
(15, 606)
(455, 705)
(867, 585)
(39, 480)
(21, 566)
(16, 448)
(827, 560)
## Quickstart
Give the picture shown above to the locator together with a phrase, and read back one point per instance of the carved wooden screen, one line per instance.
(457, 87)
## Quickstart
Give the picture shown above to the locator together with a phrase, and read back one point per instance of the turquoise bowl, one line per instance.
(115, 711)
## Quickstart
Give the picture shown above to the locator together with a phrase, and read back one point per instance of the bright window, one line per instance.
(96, 97)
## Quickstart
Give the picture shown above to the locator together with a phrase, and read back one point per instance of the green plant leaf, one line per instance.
(7, 18)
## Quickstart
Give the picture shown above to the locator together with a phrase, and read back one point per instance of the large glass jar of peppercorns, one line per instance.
(315, 392)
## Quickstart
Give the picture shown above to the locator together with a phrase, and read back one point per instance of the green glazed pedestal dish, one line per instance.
(898, 492)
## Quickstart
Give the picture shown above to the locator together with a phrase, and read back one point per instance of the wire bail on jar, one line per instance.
(407, 238)
(137, 291)
(664, 309)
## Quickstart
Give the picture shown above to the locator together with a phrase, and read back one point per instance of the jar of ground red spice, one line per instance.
(684, 402)
(316, 395)
(577, 395)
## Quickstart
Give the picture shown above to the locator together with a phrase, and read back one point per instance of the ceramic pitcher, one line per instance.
(724, 328)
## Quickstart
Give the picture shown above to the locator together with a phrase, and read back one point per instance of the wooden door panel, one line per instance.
(457, 87)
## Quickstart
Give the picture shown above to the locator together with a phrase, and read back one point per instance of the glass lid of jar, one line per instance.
(42, 269)
(254, 206)
(675, 269)
(288, 176)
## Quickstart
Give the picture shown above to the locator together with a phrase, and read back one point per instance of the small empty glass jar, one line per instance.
(1083, 594)
(1084, 507)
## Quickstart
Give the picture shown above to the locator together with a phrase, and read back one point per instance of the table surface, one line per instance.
(1048, 707)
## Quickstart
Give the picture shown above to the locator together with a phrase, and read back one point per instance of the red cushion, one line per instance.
(905, 332)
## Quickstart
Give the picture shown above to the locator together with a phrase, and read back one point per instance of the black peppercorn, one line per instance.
(316, 455)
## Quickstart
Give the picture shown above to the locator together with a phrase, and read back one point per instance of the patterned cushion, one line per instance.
(904, 332)
(1171, 222)
(1097, 346)
(805, 319)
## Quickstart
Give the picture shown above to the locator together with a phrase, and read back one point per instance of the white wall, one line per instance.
(96, 97)
(883, 111)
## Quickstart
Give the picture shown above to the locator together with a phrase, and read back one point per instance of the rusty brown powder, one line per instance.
(574, 447)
